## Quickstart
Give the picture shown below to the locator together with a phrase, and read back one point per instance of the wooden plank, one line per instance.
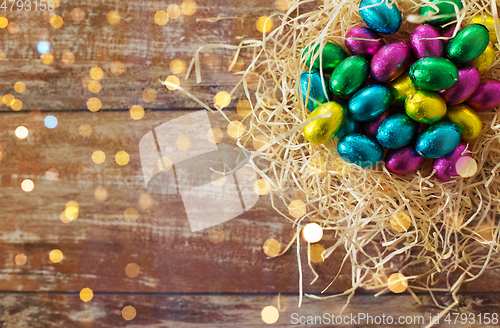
(145, 48)
(154, 311)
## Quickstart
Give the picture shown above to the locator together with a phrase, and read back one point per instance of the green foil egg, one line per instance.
(469, 43)
(323, 129)
(331, 55)
(425, 107)
(434, 74)
(349, 76)
(467, 120)
(444, 8)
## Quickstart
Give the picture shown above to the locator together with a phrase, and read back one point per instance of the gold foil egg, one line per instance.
(485, 60)
(425, 107)
(323, 129)
(467, 120)
(489, 22)
(402, 88)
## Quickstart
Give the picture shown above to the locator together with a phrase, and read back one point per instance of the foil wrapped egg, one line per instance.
(396, 131)
(314, 89)
(349, 76)
(448, 33)
(323, 129)
(446, 166)
(350, 125)
(468, 81)
(425, 42)
(381, 16)
(438, 140)
(467, 120)
(402, 88)
(485, 60)
(469, 43)
(445, 11)
(486, 97)
(369, 44)
(331, 55)
(425, 107)
(360, 149)
(390, 61)
(370, 102)
(403, 161)
(434, 74)
(489, 22)
(371, 128)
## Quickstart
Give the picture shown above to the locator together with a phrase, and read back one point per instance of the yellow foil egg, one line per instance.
(425, 107)
(323, 129)
(488, 21)
(485, 60)
(467, 120)
(402, 88)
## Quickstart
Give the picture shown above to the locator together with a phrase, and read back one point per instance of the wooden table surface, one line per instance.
(211, 278)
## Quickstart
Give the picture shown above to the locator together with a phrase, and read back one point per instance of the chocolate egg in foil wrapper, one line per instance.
(485, 60)
(469, 43)
(444, 10)
(396, 131)
(371, 128)
(425, 107)
(438, 140)
(391, 61)
(448, 32)
(368, 47)
(402, 88)
(323, 129)
(403, 161)
(434, 74)
(331, 55)
(381, 16)
(349, 76)
(486, 97)
(466, 119)
(489, 22)
(360, 149)
(314, 89)
(446, 166)
(468, 81)
(370, 102)
(425, 42)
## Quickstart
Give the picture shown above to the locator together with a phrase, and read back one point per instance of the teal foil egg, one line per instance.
(350, 126)
(331, 55)
(314, 89)
(445, 9)
(370, 102)
(434, 74)
(469, 43)
(349, 76)
(380, 16)
(396, 131)
(438, 140)
(360, 149)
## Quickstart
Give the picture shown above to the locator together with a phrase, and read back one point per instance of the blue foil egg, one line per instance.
(314, 89)
(381, 17)
(360, 149)
(396, 131)
(438, 140)
(350, 126)
(370, 102)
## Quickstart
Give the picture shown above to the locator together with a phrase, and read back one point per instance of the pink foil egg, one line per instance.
(447, 32)
(425, 42)
(371, 128)
(367, 47)
(391, 61)
(468, 81)
(403, 161)
(486, 97)
(445, 166)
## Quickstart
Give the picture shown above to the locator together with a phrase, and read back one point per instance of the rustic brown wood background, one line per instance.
(185, 279)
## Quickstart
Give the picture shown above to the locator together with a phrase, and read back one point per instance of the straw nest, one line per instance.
(454, 233)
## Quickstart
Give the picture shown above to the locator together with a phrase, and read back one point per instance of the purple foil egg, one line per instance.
(447, 32)
(391, 61)
(486, 97)
(445, 166)
(403, 161)
(370, 128)
(468, 81)
(425, 42)
(367, 47)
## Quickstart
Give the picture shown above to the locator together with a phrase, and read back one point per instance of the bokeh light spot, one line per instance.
(19, 87)
(47, 58)
(94, 104)
(13, 28)
(27, 185)
(466, 166)
(216, 235)
(8, 99)
(113, 17)
(21, 259)
(145, 201)
(56, 256)
(136, 112)
(68, 58)
(16, 105)
(85, 130)
(238, 66)
(22, 132)
(149, 95)
(261, 187)
(43, 47)
(264, 24)
(182, 143)
(400, 222)
(174, 80)
(312, 232)
(52, 174)
(131, 214)
(129, 312)
(94, 86)
(132, 270)
(271, 247)
(98, 157)
(188, 7)
(96, 73)
(270, 314)
(77, 14)
(117, 67)
(122, 158)
(260, 142)
(56, 21)
(161, 18)
(101, 194)
(244, 108)
(50, 121)
(222, 99)
(397, 283)
(86, 294)
(235, 129)
(214, 135)
(3, 22)
(177, 66)
(315, 253)
(297, 208)
(173, 11)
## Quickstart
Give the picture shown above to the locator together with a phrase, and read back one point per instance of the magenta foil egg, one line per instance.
(486, 97)
(445, 166)
(403, 161)
(468, 81)
(391, 61)
(371, 128)
(425, 42)
(447, 32)
(367, 47)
